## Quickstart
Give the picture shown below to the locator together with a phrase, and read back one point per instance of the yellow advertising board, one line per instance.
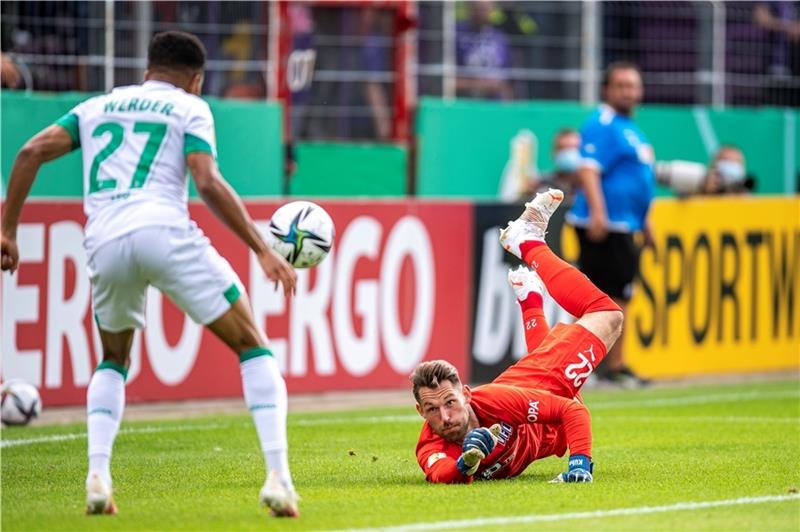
(720, 290)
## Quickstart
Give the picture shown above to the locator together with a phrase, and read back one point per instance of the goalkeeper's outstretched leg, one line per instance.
(524, 238)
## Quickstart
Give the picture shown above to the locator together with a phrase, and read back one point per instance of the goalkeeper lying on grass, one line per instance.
(533, 409)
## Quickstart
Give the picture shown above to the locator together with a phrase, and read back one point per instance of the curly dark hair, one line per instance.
(176, 50)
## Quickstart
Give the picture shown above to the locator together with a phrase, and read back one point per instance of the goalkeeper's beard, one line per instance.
(455, 436)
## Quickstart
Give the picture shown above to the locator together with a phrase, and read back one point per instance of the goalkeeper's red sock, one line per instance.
(572, 289)
(533, 320)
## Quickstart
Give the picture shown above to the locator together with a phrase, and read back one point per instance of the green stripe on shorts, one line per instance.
(232, 294)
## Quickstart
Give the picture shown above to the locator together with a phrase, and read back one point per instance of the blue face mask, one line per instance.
(731, 171)
(567, 160)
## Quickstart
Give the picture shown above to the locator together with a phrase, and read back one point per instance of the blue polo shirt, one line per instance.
(614, 145)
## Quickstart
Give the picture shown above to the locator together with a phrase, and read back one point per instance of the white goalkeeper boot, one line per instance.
(281, 500)
(532, 223)
(98, 496)
(524, 281)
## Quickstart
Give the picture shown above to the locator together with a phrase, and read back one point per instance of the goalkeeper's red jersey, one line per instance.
(535, 423)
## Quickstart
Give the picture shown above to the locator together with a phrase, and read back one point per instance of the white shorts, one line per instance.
(180, 262)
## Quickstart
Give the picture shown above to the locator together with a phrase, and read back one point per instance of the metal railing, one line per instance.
(94, 46)
(706, 52)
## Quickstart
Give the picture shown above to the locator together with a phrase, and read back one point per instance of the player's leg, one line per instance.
(105, 404)
(203, 285)
(612, 265)
(266, 398)
(569, 287)
(118, 301)
(529, 290)
(614, 361)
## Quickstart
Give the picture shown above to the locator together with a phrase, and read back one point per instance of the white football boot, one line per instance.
(532, 223)
(98, 496)
(282, 501)
(524, 281)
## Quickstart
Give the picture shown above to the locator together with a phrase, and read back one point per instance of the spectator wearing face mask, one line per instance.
(566, 157)
(727, 173)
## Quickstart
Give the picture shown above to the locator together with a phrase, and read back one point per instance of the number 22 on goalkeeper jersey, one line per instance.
(135, 140)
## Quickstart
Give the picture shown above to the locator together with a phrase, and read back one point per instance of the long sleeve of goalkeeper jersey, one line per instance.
(518, 405)
(437, 457)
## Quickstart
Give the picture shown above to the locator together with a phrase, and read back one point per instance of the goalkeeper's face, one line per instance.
(446, 409)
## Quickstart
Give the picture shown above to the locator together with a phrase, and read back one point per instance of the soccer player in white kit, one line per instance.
(138, 143)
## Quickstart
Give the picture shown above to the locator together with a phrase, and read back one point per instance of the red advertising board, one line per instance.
(394, 291)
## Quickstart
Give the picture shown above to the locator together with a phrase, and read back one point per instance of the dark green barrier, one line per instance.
(347, 170)
(464, 145)
(248, 141)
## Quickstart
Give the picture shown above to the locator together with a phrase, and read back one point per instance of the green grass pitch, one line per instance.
(657, 451)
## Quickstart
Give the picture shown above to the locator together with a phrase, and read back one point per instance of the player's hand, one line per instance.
(580, 470)
(10, 254)
(478, 444)
(597, 230)
(647, 233)
(276, 269)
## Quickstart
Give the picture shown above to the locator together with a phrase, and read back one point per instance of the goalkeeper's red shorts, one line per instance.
(561, 364)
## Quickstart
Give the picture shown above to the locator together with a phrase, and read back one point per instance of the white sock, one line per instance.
(105, 403)
(265, 397)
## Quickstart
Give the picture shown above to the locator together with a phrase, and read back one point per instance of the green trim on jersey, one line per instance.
(232, 294)
(70, 122)
(194, 144)
(110, 364)
(253, 353)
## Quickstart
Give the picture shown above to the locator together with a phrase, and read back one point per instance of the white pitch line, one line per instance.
(52, 438)
(702, 419)
(42, 439)
(617, 512)
(604, 418)
(694, 399)
(413, 418)
(80, 435)
(355, 419)
(600, 405)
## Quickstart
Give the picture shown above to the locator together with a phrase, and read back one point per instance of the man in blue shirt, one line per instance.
(616, 188)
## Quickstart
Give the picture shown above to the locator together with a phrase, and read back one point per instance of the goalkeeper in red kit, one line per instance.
(533, 409)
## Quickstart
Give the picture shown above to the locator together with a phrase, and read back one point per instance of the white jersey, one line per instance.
(135, 141)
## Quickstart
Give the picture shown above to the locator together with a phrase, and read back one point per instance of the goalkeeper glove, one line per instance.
(580, 470)
(478, 444)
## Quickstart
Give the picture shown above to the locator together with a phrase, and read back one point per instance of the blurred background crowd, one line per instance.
(690, 53)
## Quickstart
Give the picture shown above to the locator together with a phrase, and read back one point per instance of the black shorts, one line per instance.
(611, 264)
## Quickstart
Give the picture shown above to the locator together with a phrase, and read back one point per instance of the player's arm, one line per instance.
(439, 466)
(376, 98)
(445, 471)
(522, 406)
(599, 153)
(446, 463)
(589, 180)
(229, 208)
(50, 143)
(573, 416)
